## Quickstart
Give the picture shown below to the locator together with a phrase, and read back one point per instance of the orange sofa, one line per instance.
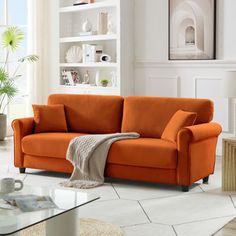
(148, 158)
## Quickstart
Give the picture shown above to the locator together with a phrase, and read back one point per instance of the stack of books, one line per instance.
(91, 52)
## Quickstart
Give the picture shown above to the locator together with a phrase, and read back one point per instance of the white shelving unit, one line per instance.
(118, 45)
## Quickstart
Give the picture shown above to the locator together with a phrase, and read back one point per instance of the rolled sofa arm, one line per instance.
(196, 152)
(21, 128)
(204, 131)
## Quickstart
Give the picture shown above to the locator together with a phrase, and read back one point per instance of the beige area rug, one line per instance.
(88, 227)
(228, 230)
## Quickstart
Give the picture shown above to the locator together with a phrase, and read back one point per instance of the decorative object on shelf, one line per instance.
(104, 82)
(86, 78)
(74, 55)
(110, 25)
(102, 22)
(105, 58)
(79, 2)
(113, 79)
(11, 40)
(91, 52)
(87, 33)
(91, 1)
(87, 26)
(67, 78)
(192, 30)
(97, 78)
(75, 77)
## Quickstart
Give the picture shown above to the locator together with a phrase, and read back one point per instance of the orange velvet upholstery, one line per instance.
(47, 163)
(178, 121)
(148, 158)
(196, 152)
(154, 175)
(54, 144)
(144, 152)
(49, 118)
(91, 113)
(149, 115)
(22, 127)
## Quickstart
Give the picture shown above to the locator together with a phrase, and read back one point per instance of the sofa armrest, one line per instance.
(203, 131)
(196, 152)
(21, 127)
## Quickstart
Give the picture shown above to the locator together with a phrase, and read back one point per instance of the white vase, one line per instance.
(113, 79)
(97, 78)
(87, 26)
(3, 126)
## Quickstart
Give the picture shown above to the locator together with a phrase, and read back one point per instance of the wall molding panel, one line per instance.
(224, 64)
(163, 86)
(210, 87)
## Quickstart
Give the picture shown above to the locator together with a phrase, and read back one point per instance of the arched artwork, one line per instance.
(192, 29)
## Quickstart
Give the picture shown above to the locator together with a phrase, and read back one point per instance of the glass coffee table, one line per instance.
(59, 221)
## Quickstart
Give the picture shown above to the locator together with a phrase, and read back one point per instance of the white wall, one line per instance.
(156, 76)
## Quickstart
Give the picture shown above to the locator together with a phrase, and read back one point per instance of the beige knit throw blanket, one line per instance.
(88, 155)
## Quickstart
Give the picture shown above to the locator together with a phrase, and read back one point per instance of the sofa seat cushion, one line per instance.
(145, 152)
(48, 144)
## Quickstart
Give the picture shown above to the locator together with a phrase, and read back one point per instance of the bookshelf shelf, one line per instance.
(87, 7)
(96, 64)
(88, 38)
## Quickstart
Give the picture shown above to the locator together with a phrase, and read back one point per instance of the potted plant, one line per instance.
(11, 38)
(104, 82)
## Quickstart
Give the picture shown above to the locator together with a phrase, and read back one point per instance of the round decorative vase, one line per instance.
(3, 126)
(87, 26)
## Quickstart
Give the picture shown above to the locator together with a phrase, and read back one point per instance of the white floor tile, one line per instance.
(41, 181)
(135, 191)
(149, 230)
(188, 208)
(204, 228)
(121, 212)
(106, 192)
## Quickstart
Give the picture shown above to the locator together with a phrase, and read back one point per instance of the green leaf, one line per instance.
(8, 89)
(29, 58)
(3, 75)
(12, 37)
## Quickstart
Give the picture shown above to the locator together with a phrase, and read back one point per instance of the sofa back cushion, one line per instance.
(149, 115)
(91, 113)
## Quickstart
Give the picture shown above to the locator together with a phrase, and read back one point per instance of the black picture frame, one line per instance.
(177, 55)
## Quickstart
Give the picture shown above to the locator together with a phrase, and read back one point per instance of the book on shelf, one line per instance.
(78, 3)
(91, 53)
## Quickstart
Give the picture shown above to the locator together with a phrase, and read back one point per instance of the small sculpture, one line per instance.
(86, 78)
(87, 26)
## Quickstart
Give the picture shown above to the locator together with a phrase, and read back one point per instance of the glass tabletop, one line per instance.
(12, 221)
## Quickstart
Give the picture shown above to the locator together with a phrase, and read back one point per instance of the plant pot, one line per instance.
(3, 126)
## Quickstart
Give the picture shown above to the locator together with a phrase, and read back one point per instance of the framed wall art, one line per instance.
(192, 27)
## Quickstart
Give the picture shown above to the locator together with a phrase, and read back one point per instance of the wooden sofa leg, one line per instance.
(185, 188)
(22, 170)
(205, 180)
